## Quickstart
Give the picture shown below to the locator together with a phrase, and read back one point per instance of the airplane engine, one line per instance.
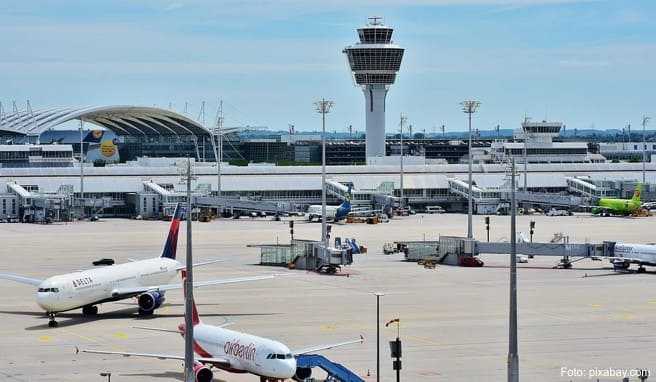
(202, 373)
(621, 265)
(303, 373)
(150, 301)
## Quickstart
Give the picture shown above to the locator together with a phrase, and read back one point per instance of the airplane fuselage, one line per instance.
(643, 254)
(617, 206)
(73, 290)
(246, 353)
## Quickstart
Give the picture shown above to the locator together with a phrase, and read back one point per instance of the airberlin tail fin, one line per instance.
(195, 319)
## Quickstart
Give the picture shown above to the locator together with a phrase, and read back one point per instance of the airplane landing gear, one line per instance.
(52, 323)
(564, 263)
(641, 269)
(89, 310)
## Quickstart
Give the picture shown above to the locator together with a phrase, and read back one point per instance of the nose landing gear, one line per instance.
(52, 323)
(89, 310)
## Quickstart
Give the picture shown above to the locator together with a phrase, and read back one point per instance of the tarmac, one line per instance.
(574, 325)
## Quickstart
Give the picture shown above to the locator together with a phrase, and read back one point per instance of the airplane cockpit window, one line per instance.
(280, 356)
(46, 290)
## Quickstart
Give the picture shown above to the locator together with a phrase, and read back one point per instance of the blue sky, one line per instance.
(587, 63)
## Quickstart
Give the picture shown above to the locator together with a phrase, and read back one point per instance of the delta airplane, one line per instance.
(236, 352)
(148, 280)
(627, 254)
(334, 213)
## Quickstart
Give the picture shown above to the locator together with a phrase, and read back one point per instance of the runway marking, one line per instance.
(121, 335)
(426, 340)
(328, 327)
(595, 305)
(81, 336)
(45, 338)
(652, 302)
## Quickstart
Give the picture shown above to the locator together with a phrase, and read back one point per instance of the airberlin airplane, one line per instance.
(145, 279)
(236, 352)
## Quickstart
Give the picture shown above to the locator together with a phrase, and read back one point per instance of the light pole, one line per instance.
(378, 296)
(219, 153)
(469, 107)
(82, 167)
(513, 353)
(188, 289)
(645, 119)
(402, 122)
(323, 107)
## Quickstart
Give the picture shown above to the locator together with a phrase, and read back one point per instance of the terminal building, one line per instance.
(47, 182)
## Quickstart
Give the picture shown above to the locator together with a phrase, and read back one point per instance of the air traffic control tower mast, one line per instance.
(374, 62)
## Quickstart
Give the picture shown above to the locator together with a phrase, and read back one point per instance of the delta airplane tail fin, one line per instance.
(171, 245)
(195, 318)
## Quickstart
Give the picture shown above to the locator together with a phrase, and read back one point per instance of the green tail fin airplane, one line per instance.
(619, 206)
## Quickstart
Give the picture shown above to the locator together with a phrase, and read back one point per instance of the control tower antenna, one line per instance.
(375, 20)
(374, 62)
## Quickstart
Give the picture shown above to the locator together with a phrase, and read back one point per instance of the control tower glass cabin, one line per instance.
(374, 62)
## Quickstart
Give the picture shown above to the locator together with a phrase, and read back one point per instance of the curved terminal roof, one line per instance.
(122, 120)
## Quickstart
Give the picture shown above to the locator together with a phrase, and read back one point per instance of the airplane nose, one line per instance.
(291, 368)
(43, 300)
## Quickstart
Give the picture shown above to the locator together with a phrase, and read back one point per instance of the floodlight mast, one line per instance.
(189, 284)
(469, 107)
(403, 121)
(323, 107)
(645, 120)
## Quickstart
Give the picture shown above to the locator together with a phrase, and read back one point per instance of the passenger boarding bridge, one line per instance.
(493, 200)
(451, 250)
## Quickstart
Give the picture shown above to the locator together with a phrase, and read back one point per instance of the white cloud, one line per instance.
(173, 6)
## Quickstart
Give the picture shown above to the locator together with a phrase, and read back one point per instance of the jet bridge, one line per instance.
(307, 254)
(232, 204)
(490, 200)
(450, 249)
(337, 372)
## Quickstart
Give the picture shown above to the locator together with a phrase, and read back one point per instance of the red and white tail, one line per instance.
(195, 319)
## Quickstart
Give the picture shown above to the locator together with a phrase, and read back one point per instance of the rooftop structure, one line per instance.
(36, 156)
(374, 62)
(122, 120)
(534, 144)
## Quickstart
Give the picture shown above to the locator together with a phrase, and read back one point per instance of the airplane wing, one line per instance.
(165, 287)
(201, 263)
(325, 347)
(20, 279)
(157, 329)
(174, 330)
(211, 360)
(628, 260)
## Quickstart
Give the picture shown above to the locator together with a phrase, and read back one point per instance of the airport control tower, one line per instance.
(374, 62)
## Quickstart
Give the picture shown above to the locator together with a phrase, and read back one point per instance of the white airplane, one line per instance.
(627, 254)
(236, 352)
(148, 280)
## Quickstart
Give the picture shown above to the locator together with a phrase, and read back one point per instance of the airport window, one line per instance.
(13, 206)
